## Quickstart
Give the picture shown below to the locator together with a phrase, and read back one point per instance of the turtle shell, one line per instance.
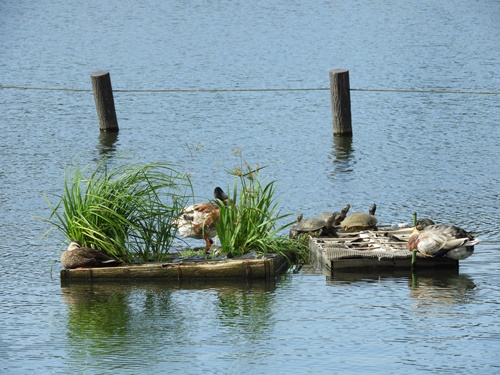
(310, 225)
(307, 226)
(359, 221)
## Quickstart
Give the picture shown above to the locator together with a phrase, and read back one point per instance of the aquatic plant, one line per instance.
(126, 211)
(251, 221)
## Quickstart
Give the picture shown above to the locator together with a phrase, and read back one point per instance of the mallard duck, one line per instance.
(441, 240)
(77, 256)
(198, 220)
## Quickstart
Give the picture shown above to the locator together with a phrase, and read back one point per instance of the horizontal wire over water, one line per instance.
(438, 91)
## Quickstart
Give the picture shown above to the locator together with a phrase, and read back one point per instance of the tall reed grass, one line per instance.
(251, 221)
(126, 211)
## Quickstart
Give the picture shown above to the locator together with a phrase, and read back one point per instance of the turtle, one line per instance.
(339, 216)
(318, 226)
(360, 221)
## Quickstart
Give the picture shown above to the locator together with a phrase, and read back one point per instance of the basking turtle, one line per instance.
(338, 216)
(360, 221)
(318, 226)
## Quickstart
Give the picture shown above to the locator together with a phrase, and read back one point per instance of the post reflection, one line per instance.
(342, 155)
(107, 143)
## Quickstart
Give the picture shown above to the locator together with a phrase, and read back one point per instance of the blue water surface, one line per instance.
(196, 80)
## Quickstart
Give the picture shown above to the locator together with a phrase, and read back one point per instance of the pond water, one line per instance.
(413, 149)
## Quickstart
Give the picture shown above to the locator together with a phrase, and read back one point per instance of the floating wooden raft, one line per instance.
(265, 267)
(382, 249)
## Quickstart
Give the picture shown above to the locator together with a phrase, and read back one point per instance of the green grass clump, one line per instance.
(250, 222)
(126, 211)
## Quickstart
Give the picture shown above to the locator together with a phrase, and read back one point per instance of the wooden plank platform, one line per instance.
(370, 250)
(268, 266)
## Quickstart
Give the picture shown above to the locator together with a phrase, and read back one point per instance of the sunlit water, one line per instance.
(433, 153)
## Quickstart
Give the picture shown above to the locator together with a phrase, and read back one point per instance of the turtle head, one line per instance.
(331, 220)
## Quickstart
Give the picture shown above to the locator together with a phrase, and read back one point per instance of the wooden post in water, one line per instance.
(340, 95)
(104, 102)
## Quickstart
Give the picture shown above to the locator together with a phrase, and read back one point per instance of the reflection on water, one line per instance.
(432, 153)
(427, 287)
(101, 323)
(107, 143)
(441, 288)
(342, 154)
(105, 319)
(254, 308)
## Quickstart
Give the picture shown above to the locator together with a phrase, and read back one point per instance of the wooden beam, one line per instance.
(261, 268)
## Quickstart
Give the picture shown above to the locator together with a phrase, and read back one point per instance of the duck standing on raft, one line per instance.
(77, 256)
(198, 220)
(441, 240)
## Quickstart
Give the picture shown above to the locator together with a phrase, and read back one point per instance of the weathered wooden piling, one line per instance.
(104, 102)
(340, 96)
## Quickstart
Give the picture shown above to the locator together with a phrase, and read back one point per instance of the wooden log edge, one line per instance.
(262, 268)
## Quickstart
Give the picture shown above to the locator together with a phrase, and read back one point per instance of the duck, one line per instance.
(198, 220)
(77, 256)
(436, 241)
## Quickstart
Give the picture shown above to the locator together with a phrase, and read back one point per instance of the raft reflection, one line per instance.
(116, 320)
(426, 286)
(442, 288)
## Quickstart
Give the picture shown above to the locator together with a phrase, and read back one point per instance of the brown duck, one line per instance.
(77, 256)
(198, 220)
